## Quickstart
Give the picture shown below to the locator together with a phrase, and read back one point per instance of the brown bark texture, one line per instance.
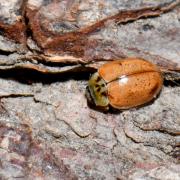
(48, 49)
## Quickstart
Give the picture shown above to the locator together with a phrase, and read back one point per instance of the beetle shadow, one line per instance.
(115, 111)
(110, 109)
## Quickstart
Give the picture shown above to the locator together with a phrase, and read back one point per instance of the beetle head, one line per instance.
(96, 92)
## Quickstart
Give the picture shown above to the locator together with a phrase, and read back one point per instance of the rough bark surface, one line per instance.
(48, 48)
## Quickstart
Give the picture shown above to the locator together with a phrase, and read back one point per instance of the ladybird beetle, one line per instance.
(124, 84)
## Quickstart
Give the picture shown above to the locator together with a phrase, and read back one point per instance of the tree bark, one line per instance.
(48, 49)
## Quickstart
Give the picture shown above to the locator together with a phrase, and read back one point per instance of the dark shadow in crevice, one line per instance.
(29, 76)
(5, 53)
(58, 64)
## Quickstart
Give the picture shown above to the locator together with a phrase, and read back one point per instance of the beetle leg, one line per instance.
(172, 77)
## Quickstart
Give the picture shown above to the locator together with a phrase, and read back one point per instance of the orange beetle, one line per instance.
(124, 84)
